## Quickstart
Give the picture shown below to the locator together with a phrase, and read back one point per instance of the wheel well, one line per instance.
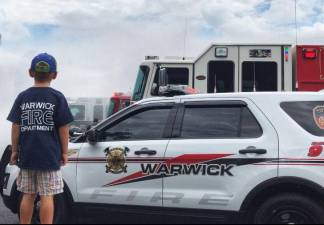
(279, 186)
(68, 196)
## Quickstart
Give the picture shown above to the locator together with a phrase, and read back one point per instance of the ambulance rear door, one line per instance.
(217, 70)
(265, 68)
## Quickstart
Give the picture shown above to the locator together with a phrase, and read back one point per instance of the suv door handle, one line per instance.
(146, 151)
(253, 151)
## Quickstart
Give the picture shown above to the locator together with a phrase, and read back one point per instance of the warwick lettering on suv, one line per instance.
(244, 157)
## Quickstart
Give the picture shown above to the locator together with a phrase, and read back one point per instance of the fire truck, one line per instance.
(118, 102)
(224, 68)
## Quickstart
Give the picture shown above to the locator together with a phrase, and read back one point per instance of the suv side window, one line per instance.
(219, 122)
(145, 124)
(309, 115)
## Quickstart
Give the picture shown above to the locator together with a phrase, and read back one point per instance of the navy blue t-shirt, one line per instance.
(40, 112)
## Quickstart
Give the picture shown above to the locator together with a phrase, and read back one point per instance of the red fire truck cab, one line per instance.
(118, 102)
(309, 67)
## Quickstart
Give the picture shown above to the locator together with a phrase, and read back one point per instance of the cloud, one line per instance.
(100, 43)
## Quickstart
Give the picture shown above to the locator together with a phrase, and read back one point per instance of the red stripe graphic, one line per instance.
(195, 158)
(188, 159)
(127, 179)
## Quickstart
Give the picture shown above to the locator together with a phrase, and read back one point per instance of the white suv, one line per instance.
(244, 157)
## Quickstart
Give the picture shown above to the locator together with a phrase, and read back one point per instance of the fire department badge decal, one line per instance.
(116, 160)
(319, 116)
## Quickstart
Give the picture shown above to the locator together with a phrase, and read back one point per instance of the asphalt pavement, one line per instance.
(6, 217)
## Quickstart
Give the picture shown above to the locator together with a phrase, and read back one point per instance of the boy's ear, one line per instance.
(31, 73)
(54, 75)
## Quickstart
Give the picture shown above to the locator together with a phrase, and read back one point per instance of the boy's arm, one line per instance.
(15, 133)
(64, 138)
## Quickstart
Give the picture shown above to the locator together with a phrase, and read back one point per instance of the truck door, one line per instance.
(310, 68)
(322, 66)
(110, 171)
(178, 74)
(218, 154)
(261, 68)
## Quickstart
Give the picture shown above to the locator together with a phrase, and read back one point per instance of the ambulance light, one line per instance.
(221, 52)
(310, 53)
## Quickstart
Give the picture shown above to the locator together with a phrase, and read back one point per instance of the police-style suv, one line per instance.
(253, 157)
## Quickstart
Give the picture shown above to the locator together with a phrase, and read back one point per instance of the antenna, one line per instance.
(296, 21)
(185, 38)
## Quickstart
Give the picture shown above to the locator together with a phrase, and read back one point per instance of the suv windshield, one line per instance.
(309, 115)
(140, 84)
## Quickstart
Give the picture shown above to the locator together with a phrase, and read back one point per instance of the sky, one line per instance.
(99, 44)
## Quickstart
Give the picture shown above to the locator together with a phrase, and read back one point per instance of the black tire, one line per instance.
(61, 212)
(290, 209)
(5, 159)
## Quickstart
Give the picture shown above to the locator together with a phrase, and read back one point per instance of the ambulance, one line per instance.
(224, 68)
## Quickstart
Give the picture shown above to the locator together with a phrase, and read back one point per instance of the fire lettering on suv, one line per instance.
(183, 169)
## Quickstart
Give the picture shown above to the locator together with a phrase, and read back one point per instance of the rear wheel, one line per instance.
(60, 214)
(290, 209)
(3, 164)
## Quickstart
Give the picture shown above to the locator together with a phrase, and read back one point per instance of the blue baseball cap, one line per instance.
(44, 63)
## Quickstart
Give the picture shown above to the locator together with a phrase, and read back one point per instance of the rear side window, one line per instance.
(210, 122)
(309, 115)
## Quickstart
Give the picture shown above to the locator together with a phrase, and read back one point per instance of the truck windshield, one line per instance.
(140, 84)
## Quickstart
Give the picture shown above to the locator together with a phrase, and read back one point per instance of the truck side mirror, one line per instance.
(163, 77)
(92, 136)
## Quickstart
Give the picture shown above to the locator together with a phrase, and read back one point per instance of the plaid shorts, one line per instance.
(44, 183)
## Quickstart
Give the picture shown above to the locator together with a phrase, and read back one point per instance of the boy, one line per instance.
(40, 136)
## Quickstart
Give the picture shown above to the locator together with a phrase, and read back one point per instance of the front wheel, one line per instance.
(290, 209)
(60, 214)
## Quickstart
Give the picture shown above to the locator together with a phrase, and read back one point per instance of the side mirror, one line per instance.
(75, 132)
(92, 136)
(163, 77)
